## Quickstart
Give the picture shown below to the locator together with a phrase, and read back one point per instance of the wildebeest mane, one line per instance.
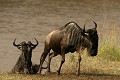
(67, 25)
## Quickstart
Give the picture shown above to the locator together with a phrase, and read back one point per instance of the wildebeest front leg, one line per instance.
(62, 61)
(78, 65)
(51, 55)
(79, 60)
(26, 71)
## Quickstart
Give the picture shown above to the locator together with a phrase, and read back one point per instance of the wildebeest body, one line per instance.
(55, 39)
(24, 63)
(69, 38)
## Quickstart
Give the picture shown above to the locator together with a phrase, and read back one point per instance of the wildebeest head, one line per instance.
(93, 36)
(24, 62)
(26, 55)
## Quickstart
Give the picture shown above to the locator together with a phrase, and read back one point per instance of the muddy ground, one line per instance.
(27, 19)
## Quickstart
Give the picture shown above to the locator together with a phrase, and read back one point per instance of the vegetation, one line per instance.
(109, 49)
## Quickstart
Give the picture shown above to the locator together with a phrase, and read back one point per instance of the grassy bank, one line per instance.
(92, 68)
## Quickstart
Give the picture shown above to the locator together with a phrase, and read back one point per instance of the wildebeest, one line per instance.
(24, 63)
(69, 38)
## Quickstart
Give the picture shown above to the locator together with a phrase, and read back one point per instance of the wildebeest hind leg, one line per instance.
(51, 55)
(43, 56)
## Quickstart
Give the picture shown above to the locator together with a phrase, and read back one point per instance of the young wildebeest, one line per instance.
(24, 63)
(69, 38)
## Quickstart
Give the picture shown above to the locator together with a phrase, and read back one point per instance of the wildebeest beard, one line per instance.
(26, 54)
(28, 62)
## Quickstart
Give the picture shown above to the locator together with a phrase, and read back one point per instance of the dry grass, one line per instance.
(91, 69)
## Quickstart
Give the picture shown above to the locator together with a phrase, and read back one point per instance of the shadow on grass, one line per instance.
(97, 74)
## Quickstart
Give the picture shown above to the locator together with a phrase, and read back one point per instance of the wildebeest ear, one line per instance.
(95, 25)
(84, 29)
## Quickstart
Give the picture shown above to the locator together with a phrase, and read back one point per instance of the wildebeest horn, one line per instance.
(95, 24)
(15, 44)
(36, 42)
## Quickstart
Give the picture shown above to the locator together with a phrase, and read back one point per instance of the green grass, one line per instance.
(109, 47)
(110, 52)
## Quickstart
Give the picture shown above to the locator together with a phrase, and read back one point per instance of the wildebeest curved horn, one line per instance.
(36, 42)
(95, 24)
(15, 44)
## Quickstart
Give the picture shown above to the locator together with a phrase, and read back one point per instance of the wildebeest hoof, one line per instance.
(39, 72)
(48, 72)
(77, 73)
(26, 71)
(58, 72)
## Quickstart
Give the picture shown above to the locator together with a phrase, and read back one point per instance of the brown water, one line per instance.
(26, 19)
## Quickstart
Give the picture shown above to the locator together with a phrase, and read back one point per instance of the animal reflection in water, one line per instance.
(24, 63)
(69, 38)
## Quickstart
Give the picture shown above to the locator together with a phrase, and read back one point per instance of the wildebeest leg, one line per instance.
(62, 61)
(79, 60)
(51, 55)
(26, 71)
(43, 56)
(78, 67)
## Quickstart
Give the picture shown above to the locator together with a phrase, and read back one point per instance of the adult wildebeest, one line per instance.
(70, 38)
(24, 63)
